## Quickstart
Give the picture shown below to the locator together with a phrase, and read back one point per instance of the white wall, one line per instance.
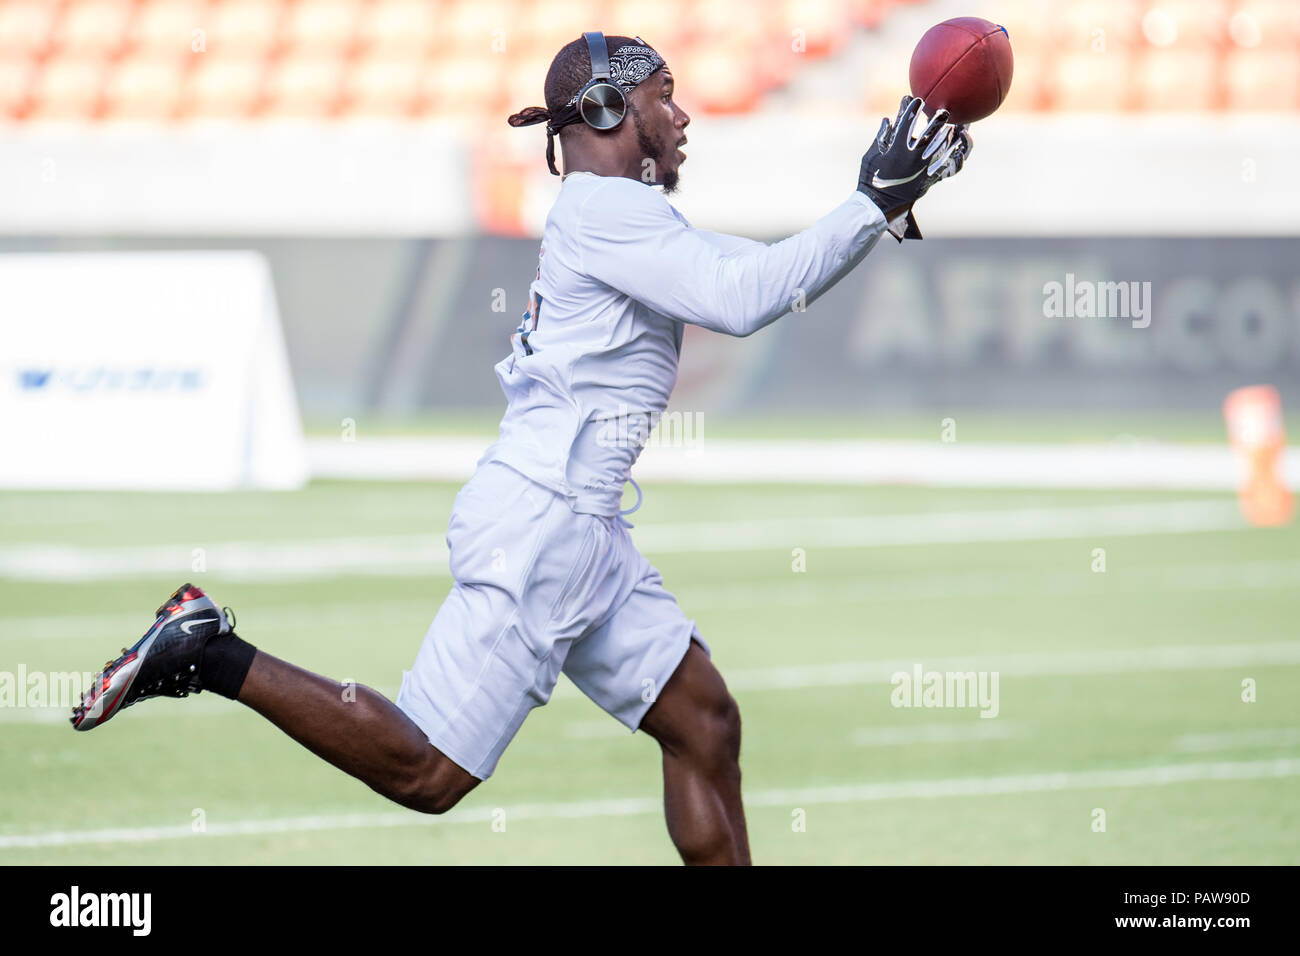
(762, 175)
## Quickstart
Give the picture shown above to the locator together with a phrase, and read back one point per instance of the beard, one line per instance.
(652, 151)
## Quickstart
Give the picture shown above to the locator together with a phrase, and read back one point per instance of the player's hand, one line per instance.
(900, 168)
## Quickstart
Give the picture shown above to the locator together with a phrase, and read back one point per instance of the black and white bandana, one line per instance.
(630, 66)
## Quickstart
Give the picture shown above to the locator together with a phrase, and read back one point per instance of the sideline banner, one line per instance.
(159, 370)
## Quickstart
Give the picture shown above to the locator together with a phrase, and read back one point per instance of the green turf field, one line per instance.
(1119, 691)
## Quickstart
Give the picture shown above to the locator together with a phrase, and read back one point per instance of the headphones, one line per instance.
(601, 104)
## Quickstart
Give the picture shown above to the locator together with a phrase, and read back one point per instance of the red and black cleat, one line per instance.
(165, 662)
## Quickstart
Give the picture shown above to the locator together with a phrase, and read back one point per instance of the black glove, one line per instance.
(898, 170)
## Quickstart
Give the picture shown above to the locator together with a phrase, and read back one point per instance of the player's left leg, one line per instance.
(697, 724)
(646, 665)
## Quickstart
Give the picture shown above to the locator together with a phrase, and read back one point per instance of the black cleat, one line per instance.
(163, 663)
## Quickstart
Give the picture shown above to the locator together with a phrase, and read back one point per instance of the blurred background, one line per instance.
(297, 234)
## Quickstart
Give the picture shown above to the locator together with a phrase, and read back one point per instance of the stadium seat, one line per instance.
(825, 25)
(1094, 26)
(26, 27)
(542, 28)
(476, 58)
(93, 28)
(222, 87)
(1199, 24)
(1024, 21)
(1261, 80)
(718, 80)
(398, 27)
(1269, 24)
(322, 27)
(1089, 81)
(244, 28)
(666, 24)
(525, 81)
(1026, 82)
(15, 79)
(382, 86)
(1177, 80)
(162, 25)
(303, 86)
(463, 87)
(67, 89)
(476, 27)
(145, 88)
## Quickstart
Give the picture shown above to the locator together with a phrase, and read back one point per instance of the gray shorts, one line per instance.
(539, 590)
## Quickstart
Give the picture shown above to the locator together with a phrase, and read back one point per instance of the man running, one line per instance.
(547, 579)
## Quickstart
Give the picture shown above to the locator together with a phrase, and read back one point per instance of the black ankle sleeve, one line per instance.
(225, 664)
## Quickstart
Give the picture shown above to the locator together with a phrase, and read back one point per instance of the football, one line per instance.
(962, 65)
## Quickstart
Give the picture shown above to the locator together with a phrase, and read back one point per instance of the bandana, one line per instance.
(629, 67)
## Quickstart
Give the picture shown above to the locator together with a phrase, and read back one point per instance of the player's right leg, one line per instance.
(521, 559)
(358, 730)
(192, 647)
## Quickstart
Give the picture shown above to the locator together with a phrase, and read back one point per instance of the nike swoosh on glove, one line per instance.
(898, 169)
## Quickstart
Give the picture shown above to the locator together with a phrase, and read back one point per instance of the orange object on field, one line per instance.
(1256, 433)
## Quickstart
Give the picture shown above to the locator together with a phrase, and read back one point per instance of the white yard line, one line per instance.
(1055, 664)
(809, 589)
(1238, 740)
(426, 555)
(930, 463)
(1150, 776)
(850, 674)
(971, 730)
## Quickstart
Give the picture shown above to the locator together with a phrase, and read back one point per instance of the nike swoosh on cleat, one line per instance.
(886, 183)
(189, 624)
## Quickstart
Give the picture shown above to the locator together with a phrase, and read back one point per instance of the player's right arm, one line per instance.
(630, 239)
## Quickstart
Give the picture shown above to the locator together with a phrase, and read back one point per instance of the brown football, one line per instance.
(964, 66)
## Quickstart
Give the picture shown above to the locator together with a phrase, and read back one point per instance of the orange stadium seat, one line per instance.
(382, 86)
(1197, 24)
(1271, 24)
(542, 28)
(464, 86)
(303, 86)
(222, 87)
(322, 27)
(1027, 82)
(1258, 80)
(868, 13)
(243, 28)
(15, 78)
(668, 25)
(142, 88)
(525, 82)
(93, 28)
(1025, 22)
(469, 27)
(884, 84)
(1089, 81)
(162, 25)
(26, 26)
(398, 27)
(67, 88)
(1095, 26)
(1177, 80)
(824, 25)
(133, 59)
(718, 80)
